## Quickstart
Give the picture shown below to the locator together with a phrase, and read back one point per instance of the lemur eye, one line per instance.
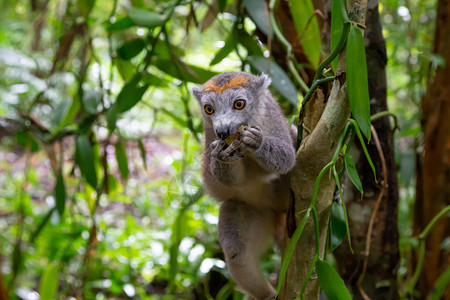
(239, 104)
(209, 109)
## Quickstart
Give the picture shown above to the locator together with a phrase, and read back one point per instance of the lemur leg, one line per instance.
(245, 232)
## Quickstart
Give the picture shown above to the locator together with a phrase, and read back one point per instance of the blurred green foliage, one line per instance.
(100, 185)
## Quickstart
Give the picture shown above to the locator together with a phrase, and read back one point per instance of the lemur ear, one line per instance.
(197, 92)
(263, 81)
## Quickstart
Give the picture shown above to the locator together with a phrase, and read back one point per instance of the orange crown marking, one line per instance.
(211, 86)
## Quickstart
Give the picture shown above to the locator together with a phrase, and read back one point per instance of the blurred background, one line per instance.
(100, 139)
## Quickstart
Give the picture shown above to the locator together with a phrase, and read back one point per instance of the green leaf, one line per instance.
(122, 160)
(440, 285)
(49, 282)
(85, 160)
(280, 80)
(259, 14)
(60, 194)
(85, 7)
(224, 51)
(143, 153)
(362, 143)
(125, 68)
(131, 94)
(290, 249)
(71, 113)
(336, 28)
(249, 42)
(184, 71)
(307, 28)
(131, 48)
(91, 99)
(121, 24)
(145, 18)
(222, 4)
(357, 82)
(337, 225)
(331, 283)
(353, 173)
(111, 117)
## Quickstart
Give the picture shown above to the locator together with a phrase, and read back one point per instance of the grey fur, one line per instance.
(249, 179)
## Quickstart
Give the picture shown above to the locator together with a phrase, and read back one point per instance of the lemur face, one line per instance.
(230, 100)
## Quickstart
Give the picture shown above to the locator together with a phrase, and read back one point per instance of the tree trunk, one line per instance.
(433, 186)
(315, 152)
(380, 276)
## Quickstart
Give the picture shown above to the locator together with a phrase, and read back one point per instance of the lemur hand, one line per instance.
(251, 138)
(226, 154)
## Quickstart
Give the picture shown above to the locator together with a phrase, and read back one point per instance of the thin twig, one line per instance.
(375, 210)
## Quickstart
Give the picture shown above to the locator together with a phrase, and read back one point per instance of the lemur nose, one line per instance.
(223, 133)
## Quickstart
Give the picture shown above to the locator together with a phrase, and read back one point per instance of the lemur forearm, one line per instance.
(275, 155)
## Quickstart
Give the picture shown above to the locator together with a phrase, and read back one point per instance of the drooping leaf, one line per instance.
(49, 282)
(352, 172)
(280, 80)
(331, 283)
(259, 13)
(307, 28)
(111, 117)
(85, 7)
(122, 160)
(121, 24)
(336, 27)
(224, 51)
(85, 160)
(337, 225)
(71, 113)
(131, 48)
(143, 153)
(145, 18)
(249, 42)
(130, 94)
(184, 71)
(125, 68)
(357, 82)
(60, 194)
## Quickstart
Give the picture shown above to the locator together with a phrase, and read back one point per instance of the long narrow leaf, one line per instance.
(357, 82)
(307, 28)
(122, 160)
(353, 173)
(280, 80)
(60, 194)
(336, 27)
(130, 94)
(259, 14)
(145, 18)
(49, 283)
(85, 160)
(290, 249)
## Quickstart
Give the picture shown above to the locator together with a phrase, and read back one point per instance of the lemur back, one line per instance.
(249, 176)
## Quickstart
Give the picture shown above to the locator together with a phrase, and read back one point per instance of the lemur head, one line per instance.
(232, 99)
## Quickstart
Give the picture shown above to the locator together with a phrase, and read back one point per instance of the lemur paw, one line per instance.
(251, 138)
(226, 154)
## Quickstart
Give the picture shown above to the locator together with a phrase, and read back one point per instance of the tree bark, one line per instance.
(315, 152)
(433, 188)
(380, 276)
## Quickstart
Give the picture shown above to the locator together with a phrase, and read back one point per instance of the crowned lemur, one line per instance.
(249, 176)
